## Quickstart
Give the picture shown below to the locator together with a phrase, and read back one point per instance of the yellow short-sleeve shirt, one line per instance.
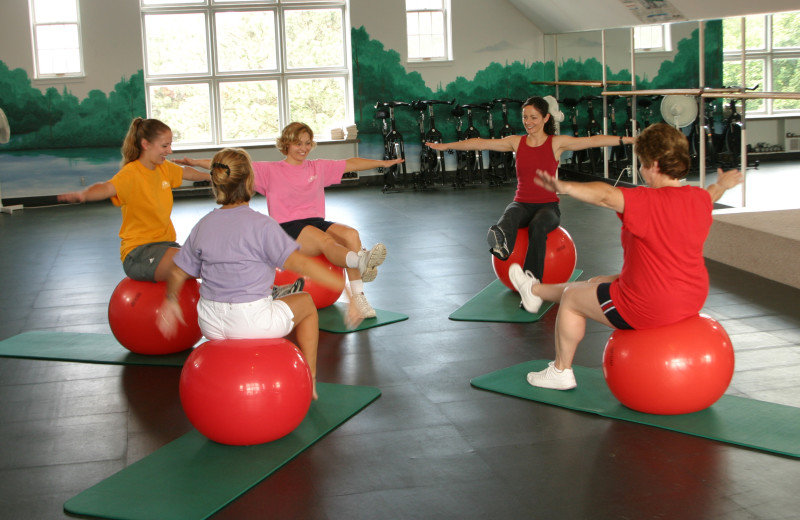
(145, 198)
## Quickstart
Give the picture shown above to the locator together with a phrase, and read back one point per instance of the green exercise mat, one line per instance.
(331, 319)
(193, 478)
(498, 303)
(83, 348)
(735, 420)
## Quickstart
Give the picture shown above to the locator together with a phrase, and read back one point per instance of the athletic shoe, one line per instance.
(279, 291)
(498, 245)
(363, 306)
(553, 378)
(368, 262)
(522, 282)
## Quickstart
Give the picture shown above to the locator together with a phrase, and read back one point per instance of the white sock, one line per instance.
(351, 259)
(356, 286)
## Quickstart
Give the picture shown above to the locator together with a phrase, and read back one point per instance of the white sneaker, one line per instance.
(522, 282)
(553, 378)
(363, 306)
(368, 262)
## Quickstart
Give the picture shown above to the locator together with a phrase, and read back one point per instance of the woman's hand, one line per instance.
(170, 316)
(728, 179)
(442, 147)
(546, 181)
(391, 162)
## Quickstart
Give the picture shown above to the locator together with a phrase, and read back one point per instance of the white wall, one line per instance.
(111, 38)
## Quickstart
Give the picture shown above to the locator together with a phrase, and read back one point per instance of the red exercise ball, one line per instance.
(134, 311)
(559, 259)
(245, 391)
(322, 296)
(680, 368)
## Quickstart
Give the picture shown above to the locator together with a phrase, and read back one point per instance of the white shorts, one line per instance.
(266, 318)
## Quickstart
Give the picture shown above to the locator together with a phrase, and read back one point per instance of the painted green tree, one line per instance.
(58, 119)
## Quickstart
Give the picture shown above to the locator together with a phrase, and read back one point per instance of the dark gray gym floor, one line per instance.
(431, 446)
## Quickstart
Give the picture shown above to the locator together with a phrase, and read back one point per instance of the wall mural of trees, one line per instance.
(57, 119)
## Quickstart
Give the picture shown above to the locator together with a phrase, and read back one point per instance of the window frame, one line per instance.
(447, 35)
(214, 78)
(37, 74)
(666, 39)
(767, 55)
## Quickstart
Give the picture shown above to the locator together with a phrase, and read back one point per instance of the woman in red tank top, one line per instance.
(533, 206)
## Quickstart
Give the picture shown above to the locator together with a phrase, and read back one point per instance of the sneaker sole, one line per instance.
(495, 247)
(376, 258)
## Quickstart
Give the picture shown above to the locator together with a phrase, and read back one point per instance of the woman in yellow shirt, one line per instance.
(143, 191)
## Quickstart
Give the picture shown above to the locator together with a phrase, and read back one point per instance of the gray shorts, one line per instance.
(141, 263)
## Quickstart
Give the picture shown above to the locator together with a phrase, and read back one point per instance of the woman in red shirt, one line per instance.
(533, 206)
(663, 278)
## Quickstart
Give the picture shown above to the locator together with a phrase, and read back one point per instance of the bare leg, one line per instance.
(578, 302)
(349, 238)
(314, 242)
(306, 326)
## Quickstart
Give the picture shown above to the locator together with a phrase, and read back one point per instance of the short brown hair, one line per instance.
(291, 135)
(666, 145)
(232, 178)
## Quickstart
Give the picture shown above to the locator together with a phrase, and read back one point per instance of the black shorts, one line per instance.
(294, 227)
(609, 309)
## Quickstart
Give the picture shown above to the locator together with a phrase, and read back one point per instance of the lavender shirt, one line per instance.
(235, 251)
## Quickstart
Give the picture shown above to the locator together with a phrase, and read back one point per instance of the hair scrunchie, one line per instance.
(221, 166)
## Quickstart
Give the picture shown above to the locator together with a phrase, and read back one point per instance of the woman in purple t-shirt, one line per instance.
(235, 250)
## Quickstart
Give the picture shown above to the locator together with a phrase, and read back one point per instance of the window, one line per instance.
(226, 72)
(56, 34)
(652, 38)
(771, 58)
(428, 29)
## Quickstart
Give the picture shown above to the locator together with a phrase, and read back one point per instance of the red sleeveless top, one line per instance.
(530, 159)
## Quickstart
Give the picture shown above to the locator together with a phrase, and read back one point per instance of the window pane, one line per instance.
(649, 37)
(318, 102)
(786, 78)
(314, 38)
(414, 47)
(417, 5)
(246, 41)
(49, 11)
(176, 43)
(732, 77)
(784, 30)
(58, 49)
(249, 110)
(185, 108)
(732, 33)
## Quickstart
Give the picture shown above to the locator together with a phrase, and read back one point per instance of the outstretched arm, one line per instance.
(97, 191)
(506, 144)
(596, 193)
(357, 164)
(190, 174)
(568, 143)
(725, 181)
(197, 163)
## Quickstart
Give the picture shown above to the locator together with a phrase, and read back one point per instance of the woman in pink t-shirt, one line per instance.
(663, 278)
(295, 191)
(533, 206)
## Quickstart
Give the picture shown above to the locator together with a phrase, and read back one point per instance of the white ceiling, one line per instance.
(563, 16)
